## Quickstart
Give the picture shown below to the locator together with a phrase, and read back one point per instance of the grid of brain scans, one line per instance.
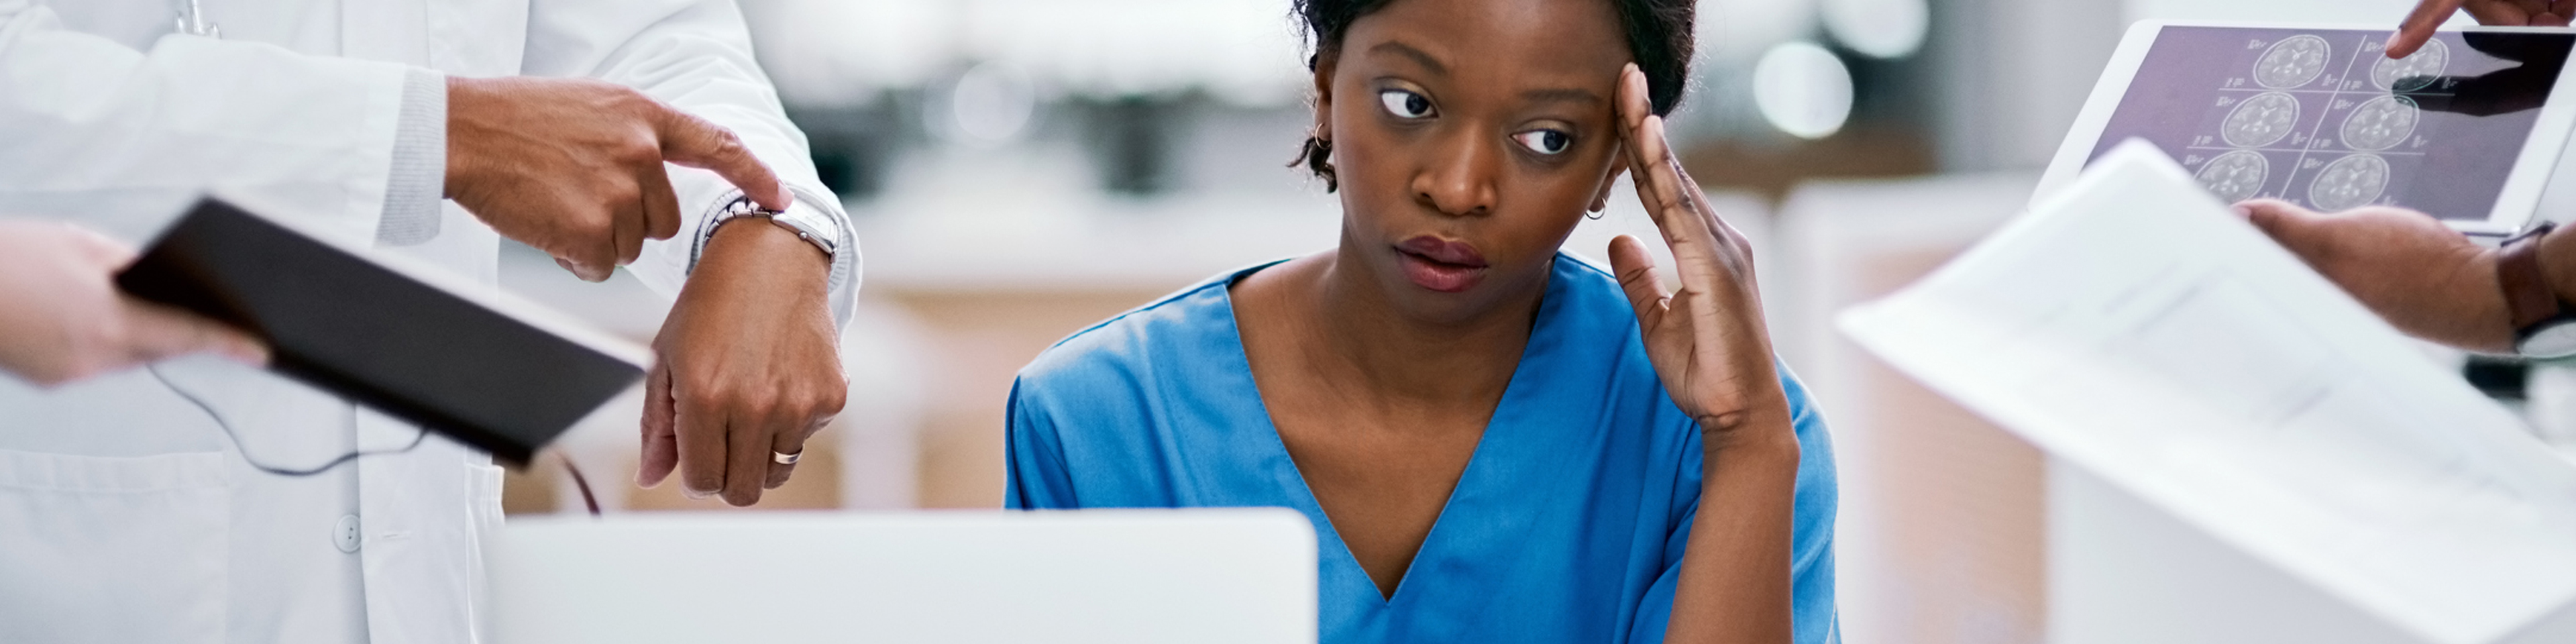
(2325, 119)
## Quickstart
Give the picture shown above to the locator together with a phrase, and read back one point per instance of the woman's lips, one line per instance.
(1441, 265)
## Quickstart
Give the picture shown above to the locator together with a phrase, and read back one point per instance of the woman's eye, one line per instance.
(1544, 141)
(1405, 104)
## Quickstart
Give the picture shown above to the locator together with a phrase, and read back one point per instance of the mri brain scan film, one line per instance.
(2321, 117)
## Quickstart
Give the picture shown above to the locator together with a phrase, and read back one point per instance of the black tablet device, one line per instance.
(406, 339)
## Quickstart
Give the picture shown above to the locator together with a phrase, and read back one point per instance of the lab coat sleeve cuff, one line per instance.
(418, 181)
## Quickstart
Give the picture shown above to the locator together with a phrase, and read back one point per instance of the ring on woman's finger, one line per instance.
(783, 458)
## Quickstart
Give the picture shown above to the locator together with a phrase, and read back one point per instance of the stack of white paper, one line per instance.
(2135, 327)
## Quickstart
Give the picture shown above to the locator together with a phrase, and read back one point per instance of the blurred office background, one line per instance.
(1020, 169)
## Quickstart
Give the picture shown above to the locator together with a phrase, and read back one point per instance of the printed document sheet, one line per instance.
(2134, 326)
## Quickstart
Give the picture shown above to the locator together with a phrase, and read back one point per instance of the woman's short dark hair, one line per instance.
(1659, 36)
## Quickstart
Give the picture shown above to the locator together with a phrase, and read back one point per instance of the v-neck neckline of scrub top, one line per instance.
(1303, 496)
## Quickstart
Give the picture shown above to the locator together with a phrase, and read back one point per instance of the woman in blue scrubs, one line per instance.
(1495, 442)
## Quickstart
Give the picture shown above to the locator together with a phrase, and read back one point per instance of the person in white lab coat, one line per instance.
(131, 508)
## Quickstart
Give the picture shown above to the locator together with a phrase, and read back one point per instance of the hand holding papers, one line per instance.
(2131, 325)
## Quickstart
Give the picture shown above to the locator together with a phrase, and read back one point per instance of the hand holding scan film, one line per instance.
(2424, 278)
(1710, 349)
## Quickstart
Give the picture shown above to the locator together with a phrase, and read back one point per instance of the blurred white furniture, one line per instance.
(1940, 536)
(1133, 576)
(2122, 571)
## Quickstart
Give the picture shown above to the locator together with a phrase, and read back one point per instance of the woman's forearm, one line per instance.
(1734, 585)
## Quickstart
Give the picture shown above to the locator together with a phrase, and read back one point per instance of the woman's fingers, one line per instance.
(1631, 103)
(1706, 251)
(1688, 227)
(1636, 270)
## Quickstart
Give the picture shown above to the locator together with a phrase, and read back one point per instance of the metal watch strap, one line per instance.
(744, 207)
(2528, 298)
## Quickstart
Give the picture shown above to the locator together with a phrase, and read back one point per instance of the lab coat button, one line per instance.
(345, 535)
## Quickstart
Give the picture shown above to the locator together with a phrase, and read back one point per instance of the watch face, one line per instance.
(2554, 339)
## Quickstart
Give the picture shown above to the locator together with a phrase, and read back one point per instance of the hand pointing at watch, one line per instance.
(574, 167)
(748, 360)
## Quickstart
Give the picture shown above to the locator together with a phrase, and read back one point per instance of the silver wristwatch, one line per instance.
(816, 228)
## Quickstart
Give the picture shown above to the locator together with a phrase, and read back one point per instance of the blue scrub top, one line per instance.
(1567, 526)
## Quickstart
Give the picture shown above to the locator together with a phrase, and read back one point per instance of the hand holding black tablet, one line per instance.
(411, 341)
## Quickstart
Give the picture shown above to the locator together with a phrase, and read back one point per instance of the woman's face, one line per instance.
(1469, 137)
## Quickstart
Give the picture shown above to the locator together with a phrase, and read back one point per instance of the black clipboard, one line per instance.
(416, 344)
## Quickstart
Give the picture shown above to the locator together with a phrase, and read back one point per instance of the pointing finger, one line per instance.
(691, 141)
(2419, 25)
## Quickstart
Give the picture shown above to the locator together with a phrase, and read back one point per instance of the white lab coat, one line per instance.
(125, 514)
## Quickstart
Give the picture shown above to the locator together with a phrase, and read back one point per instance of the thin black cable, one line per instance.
(580, 481)
(245, 449)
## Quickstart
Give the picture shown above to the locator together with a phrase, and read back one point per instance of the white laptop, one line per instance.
(1128, 576)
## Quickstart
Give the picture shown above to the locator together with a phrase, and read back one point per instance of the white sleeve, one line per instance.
(696, 56)
(121, 140)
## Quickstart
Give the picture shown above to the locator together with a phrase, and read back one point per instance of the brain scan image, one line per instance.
(2412, 72)
(2292, 62)
(2261, 120)
(2235, 176)
(2380, 124)
(2350, 182)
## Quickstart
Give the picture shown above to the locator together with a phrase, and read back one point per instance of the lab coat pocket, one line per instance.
(96, 549)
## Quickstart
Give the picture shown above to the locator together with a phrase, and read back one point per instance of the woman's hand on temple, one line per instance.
(1707, 339)
(1714, 356)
